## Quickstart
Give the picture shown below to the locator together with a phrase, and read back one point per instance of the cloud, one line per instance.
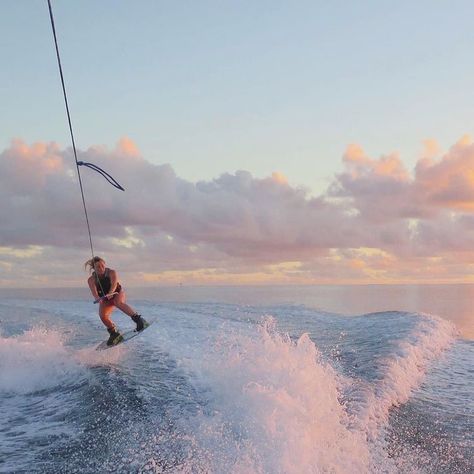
(376, 222)
(236, 213)
(449, 182)
(378, 189)
(382, 189)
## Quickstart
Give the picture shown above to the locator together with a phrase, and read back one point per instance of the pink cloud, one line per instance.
(382, 189)
(236, 213)
(237, 223)
(449, 182)
(378, 189)
(26, 167)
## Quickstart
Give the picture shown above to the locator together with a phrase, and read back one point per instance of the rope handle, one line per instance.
(106, 297)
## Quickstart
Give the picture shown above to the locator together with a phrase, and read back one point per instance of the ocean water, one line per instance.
(240, 380)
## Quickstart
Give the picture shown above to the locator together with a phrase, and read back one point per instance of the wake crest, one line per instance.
(402, 373)
(277, 406)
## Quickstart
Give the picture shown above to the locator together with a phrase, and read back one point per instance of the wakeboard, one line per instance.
(126, 336)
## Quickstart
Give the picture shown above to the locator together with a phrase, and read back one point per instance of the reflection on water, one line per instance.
(452, 302)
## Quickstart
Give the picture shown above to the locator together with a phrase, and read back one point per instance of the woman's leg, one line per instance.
(119, 301)
(105, 310)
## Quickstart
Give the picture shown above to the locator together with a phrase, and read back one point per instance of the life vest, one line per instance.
(103, 283)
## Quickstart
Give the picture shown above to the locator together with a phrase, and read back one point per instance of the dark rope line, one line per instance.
(73, 142)
(110, 179)
(70, 125)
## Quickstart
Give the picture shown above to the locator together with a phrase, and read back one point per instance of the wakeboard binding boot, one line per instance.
(140, 322)
(115, 337)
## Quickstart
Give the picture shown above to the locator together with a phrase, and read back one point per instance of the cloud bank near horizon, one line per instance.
(376, 222)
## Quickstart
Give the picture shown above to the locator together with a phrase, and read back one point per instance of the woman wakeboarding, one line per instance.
(103, 282)
(108, 292)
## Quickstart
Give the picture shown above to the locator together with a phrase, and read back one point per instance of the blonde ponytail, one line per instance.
(90, 264)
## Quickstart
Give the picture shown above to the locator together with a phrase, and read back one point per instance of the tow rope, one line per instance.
(103, 173)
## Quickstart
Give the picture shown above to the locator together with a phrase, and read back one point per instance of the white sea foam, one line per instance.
(276, 405)
(91, 357)
(35, 360)
(402, 372)
(275, 408)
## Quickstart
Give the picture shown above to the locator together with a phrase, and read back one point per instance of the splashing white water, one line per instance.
(273, 404)
(35, 360)
(402, 373)
(275, 408)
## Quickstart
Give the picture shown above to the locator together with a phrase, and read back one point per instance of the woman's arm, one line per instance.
(93, 288)
(113, 281)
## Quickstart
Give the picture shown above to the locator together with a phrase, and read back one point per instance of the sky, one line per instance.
(258, 142)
